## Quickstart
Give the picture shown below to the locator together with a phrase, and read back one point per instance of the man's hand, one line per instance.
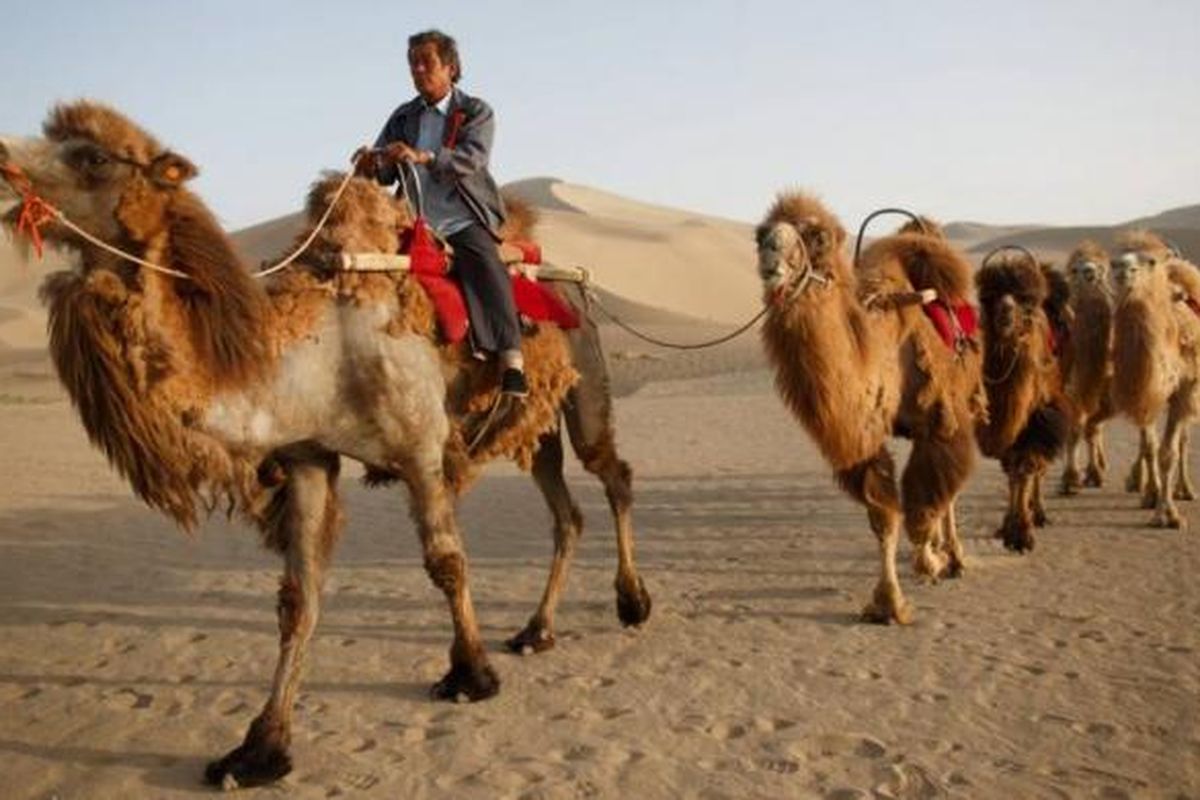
(366, 161)
(399, 151)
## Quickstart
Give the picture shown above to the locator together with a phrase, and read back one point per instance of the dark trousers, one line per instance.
(486, 285)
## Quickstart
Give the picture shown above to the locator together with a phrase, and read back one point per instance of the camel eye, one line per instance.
(90, 158)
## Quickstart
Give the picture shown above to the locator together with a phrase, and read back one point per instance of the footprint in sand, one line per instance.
(129, 699)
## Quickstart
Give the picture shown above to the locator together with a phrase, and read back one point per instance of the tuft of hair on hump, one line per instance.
(520, 219)
(926, 226)
(1088, 250)
(366, 218)
(1186, 276)
(1142, 240)
(108, 128)
(804, 210)
(1015, 275)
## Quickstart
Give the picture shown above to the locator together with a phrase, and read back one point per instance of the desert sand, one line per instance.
(133, 653)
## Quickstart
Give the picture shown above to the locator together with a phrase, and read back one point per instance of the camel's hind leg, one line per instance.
(588, 414)
(302, 522)
(952, 546)
(1037, 507)
(1151, 466)
(1071, 482)
(1183, 488)
(538, 634)
(432, 509)
(935, 472)
(873, 483)
(1172, 456)
(1097, 460)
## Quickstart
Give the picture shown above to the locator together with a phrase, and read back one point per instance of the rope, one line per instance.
(36, 212)
(672, 345)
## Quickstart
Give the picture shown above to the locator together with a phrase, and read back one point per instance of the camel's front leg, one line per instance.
(951, 544)
(1017, 531)
(1166, 514)
(302, 520)
(538, 634)
(470, 676)
(1135, 482)
(873, 483)
(1183, 488)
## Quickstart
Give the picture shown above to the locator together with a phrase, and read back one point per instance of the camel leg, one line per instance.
(1071, 482)
(470, 676)
(588, 414)
(1135, 482)
(1166, 514)
(951, 545)
(1017, 531)
(538, 634)
(1151, 466)
(302, 521)
(1036, 507)
(1183, 488)
(873, 483)
(936, 470)
(1094, 436)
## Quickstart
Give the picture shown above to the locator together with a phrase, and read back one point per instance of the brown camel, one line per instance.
(1156, 359)
(205, 386)
(857, 363)
(1087, 364)
(1028, 413)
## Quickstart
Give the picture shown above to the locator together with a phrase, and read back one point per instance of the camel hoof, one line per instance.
(467, 683)
(249, 764)
(954, 569)
(1040, 520)
(1184, 493)
(534, 638)
(1094, 479)
(1150, 500)
(1070, 484)
(1167, 519)
(633, 605)
(1017, 539)
(885, 613)
(1133, 485)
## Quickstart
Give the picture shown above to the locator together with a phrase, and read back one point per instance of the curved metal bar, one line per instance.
(1006, 247)
(862, 229)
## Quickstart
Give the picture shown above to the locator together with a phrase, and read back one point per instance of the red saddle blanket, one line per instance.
(430, 267)
(954, 322)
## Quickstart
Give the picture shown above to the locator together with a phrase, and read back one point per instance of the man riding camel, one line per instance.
(446, 135)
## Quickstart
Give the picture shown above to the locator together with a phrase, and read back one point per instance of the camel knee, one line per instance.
(447, 571)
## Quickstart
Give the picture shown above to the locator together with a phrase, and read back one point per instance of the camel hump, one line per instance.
(1186, 276)
(520, 218)
(925, 261)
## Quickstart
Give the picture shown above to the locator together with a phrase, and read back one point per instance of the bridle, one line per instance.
(804, 274)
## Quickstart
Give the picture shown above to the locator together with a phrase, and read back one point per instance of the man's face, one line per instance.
(430, 75)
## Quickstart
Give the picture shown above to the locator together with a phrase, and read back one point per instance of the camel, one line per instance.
(1087, 365)
(1156, 361)
(203, 387)
(856, 362)
(1028, 412)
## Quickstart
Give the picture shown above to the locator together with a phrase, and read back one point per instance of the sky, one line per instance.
(1054, 112)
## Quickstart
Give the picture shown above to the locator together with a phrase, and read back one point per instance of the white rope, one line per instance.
(61, 217)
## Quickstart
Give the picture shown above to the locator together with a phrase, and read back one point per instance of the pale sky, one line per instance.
(1005, 111)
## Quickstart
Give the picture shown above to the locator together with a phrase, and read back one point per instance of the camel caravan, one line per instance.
(208, 385)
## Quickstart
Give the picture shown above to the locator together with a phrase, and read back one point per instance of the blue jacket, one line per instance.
(466, 163)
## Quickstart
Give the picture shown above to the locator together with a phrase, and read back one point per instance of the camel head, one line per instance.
(800, 240)
(367, 219)
(103, 172)
(1140, 263)
(1087, 269)
(1012, 289)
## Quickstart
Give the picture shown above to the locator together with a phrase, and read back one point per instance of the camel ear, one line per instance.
(171, 169)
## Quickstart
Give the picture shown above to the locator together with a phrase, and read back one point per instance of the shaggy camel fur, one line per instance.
(1087, 364)
(1028, 413)
(587, 410)
(856, 369)
(214, 388)
(1156, 358)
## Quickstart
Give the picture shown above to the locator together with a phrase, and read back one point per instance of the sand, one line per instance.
(133, 653)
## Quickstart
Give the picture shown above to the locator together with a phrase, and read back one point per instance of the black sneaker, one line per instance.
(512, 383)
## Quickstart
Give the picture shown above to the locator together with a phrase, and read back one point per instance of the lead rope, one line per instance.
(36, 212)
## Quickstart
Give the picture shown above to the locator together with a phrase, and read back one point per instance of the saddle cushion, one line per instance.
(964, 323)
